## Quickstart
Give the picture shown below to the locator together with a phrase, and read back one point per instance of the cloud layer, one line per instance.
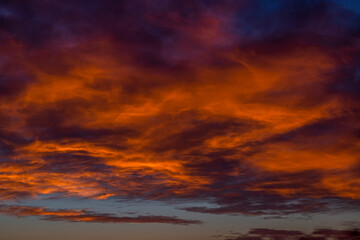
(252, 106)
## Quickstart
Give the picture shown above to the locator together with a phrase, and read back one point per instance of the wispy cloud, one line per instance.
(87, 216)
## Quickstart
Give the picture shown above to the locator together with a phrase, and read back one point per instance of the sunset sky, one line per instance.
(179, 119)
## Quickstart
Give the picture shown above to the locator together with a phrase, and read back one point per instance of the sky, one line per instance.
(181, 119)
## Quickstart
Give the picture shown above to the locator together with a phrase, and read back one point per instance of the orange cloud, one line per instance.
(181, 107)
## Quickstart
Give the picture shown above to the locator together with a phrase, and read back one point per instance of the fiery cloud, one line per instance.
(249, 105)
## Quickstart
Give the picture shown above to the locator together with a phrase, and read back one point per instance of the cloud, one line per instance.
(86, 216)
(251, 106)
(318, 234)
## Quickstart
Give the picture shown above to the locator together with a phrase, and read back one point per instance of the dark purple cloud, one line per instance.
(319, 234)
